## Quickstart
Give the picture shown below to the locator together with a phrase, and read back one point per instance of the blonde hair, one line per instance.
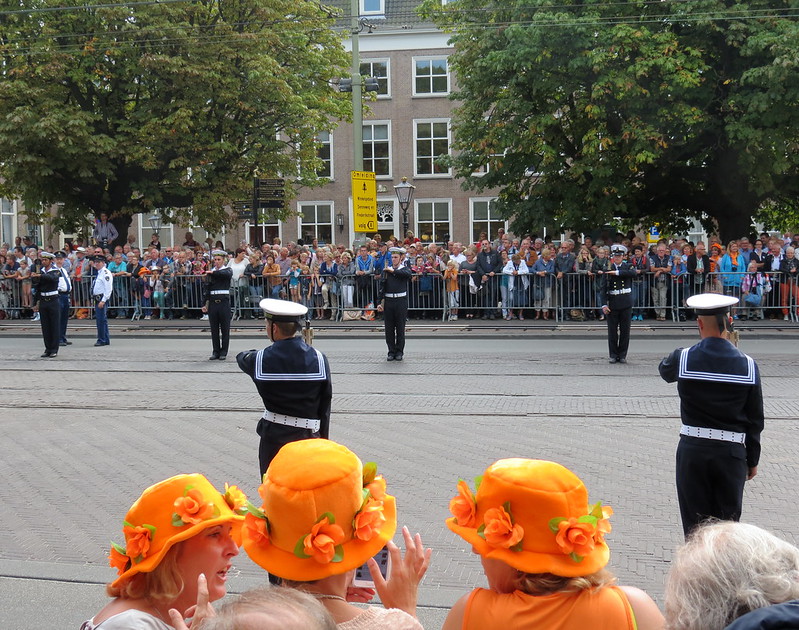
(726, 570)
(163, 583)
(548, 583)
(270, 608)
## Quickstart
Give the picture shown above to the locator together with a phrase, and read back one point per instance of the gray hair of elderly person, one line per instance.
(725, 570)
(271, 608)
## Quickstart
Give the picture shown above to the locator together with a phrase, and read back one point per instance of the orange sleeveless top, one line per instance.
(603, 609)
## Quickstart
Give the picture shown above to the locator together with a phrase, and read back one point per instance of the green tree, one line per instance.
(643, 111)
(126, 108)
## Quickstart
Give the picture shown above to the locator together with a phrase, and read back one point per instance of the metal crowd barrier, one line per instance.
(574, 297)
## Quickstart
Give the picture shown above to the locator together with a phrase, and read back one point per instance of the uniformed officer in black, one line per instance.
(617, 303)
(46, 283)
(396, 276)
(217, 305)
(293, 380)
(721, 405)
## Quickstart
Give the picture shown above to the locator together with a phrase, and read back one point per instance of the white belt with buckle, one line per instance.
(49, 293)
(403, 294)
(220, 292)
(290, 421)
(620, 291)
(713, 434)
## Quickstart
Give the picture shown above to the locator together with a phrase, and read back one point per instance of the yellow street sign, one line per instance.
(364, 201)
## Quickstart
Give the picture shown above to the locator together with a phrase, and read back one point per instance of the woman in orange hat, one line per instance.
(180, 537)
(543, 551)
(324, 514)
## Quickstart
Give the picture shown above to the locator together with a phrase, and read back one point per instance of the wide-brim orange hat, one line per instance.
(323, 513)
(168, 512)
(533, 515)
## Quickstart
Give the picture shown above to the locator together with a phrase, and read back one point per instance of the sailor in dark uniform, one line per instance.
(617, 303)
(396, 275)
(721, 406)
(46, 283)
(293, 380)
(217, 305)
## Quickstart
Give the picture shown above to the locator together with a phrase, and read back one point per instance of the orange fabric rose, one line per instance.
(118, 561)
(257, 529)
(369, 520)
(377, 488)
(235, 498)
(499, 529)
(603, 524)
(138, 541)
(463, 506)
(193, 508)
(321, 543)
(575, 537)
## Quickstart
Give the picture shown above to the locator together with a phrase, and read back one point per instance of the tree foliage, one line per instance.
(126, 108)
(643, 111)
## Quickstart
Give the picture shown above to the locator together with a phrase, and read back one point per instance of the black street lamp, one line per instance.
(404, 192)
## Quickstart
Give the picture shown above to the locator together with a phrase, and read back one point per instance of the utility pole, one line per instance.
(357, 102)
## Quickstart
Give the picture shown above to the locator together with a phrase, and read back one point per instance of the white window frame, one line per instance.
(329, 144)
(4, 214)
(430, 121)
(431, 59)
(488, 221)
(300, 223)
(380, 11)
(433, 221)
(262, 227)
(372, 123)
(386, 61)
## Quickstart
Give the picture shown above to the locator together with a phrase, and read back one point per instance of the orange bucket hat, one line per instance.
(168, 512)
(323, 513)
(534, 516)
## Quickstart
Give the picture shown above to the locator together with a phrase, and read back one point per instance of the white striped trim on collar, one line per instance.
(319, 375)
(717, 377)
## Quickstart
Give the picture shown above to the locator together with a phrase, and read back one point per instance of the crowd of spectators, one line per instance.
(507, 277)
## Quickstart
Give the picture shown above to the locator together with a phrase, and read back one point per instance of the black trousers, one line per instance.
(619, 332)
(219, 319)
(274, 437)
(395, 314)
(50, 319)
(710, 480)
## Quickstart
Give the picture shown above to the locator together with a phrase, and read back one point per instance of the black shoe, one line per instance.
(100, 343)
(613, 360)
(53, 355)
(214, 357)
(45, 355)
(62, 343)
(622, 360)
(222, 357)
(398, 356)
(390, 356)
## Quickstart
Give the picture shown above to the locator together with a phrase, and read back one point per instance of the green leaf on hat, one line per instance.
(518, 546)
(126, 524)
(587, 519)
(506, 507)
(299, 549)
(330, 518)
(481, 531)
(339, 555)
(138, 559)
(596, 510)
(369, 472)
(177, 521)
(186, 491)
(575, 557)
(119, 548)
(217, 512)
(477, 481)
(553, 523)
(151, 528)
(255, 511)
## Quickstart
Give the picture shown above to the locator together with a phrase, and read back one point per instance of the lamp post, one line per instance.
(155, 222)
(404, 192)
(340, 221)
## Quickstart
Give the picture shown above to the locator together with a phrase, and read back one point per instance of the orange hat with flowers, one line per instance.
(323, 513)
(533, 515)
(168, 512)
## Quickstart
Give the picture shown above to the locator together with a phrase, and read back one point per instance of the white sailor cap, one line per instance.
(282, 310)
(397, 250)
(618, 249)
(81, 249)
(219, 252)
(46, 255)
(711, 303)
